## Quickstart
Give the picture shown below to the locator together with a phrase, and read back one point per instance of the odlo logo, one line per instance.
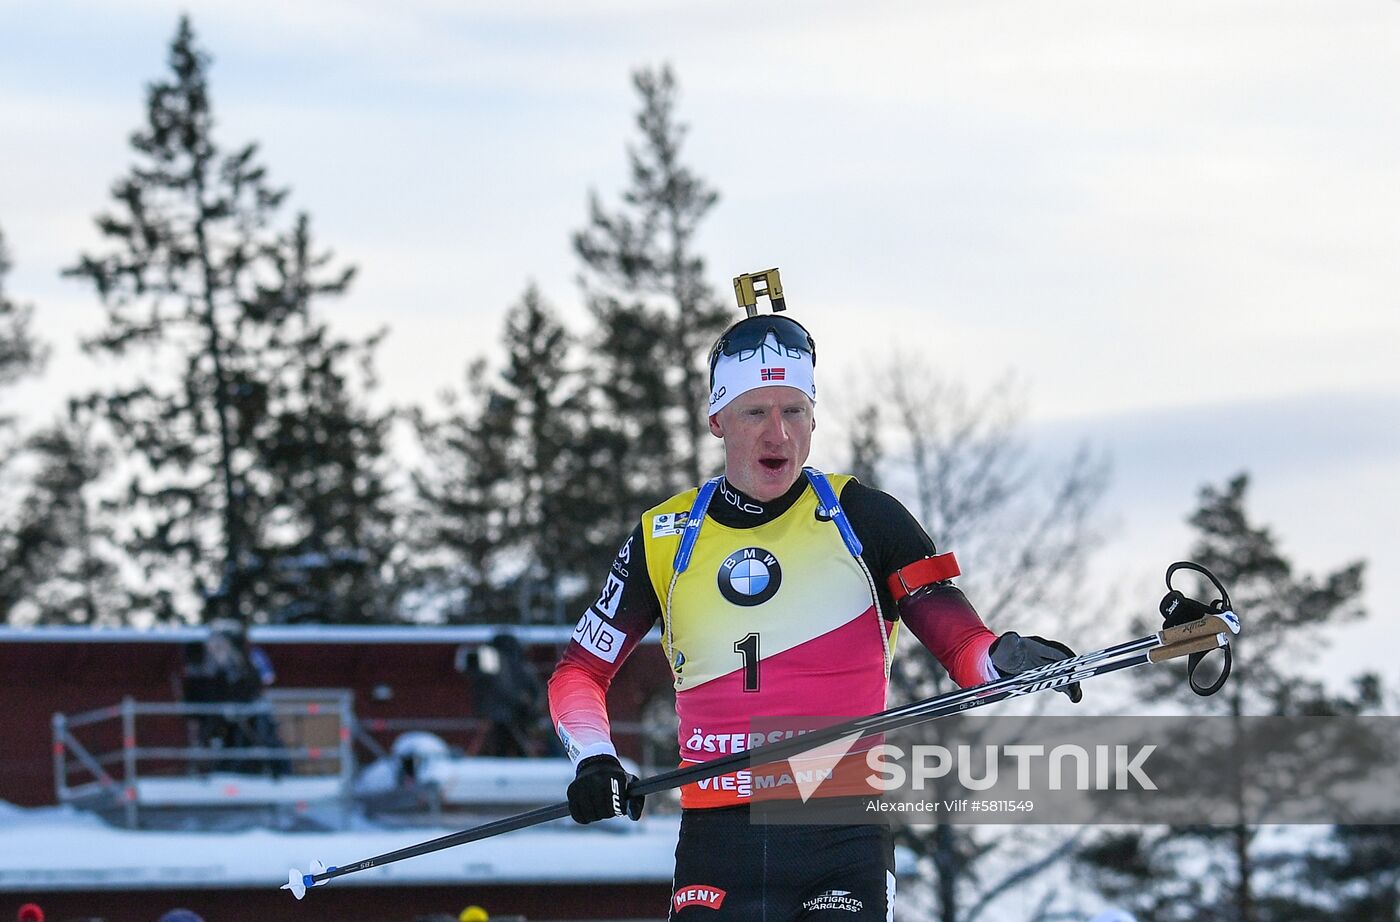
(709, 897)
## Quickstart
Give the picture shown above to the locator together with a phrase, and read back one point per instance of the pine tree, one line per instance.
(546, 400)
(246, 442)
(324, 538)
(867, 452)
(1357, 873)
(21, 353)
(457, 526)
(1157, 872)
(656, 314)
(508, 489)
(61, 565)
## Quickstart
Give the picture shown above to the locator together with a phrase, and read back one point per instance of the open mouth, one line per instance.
(773, 464)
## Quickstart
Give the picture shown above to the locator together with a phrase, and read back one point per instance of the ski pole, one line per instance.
(1208, 633)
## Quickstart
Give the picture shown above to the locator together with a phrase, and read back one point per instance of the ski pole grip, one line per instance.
(1186, 647)
(1223, 623)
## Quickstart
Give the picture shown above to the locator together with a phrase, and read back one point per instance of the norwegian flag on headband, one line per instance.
(775, 365)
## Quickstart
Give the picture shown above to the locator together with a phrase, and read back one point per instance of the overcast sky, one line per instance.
(1177, 223)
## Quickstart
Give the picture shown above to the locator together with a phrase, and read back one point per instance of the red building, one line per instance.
(398, 679)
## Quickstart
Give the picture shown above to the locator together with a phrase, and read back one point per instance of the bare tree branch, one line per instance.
(1024, 532)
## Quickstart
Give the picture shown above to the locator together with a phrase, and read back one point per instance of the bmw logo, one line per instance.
(750, 576)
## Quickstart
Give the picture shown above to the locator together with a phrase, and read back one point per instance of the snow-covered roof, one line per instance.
(309, 633)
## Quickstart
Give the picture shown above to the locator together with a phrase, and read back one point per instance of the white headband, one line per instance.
(770, 365)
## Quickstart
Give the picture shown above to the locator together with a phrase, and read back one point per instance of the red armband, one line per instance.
(922, 573)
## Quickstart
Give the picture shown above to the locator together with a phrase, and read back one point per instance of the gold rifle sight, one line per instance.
(746, 291)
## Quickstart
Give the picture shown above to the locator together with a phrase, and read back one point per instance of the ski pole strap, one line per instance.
(1186, 619)
(1195, 651)
(1194, 660)
(922, 573)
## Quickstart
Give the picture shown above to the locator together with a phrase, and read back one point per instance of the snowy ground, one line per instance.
(58, 848)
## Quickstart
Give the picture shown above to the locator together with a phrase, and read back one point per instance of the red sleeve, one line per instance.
(946, 623)
(578, 706)
(605, 636)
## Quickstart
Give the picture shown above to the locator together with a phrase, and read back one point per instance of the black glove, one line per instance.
(599, 791)
(1013, 654)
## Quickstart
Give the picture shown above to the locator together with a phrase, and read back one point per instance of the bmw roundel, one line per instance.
(750, 576)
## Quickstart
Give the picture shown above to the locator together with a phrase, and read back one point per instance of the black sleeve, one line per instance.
(890, 536)
(620, 615)
(639, 605)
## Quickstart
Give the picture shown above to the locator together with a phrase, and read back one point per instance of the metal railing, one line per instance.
(653, 756)
(293, 734)
(129, 756)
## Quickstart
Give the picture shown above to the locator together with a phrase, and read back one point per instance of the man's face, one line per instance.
(767, 436)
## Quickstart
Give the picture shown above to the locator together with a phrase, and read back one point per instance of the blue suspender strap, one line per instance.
(827, 497)
(692, 524)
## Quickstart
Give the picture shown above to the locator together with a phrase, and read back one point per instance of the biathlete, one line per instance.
(779, 590)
